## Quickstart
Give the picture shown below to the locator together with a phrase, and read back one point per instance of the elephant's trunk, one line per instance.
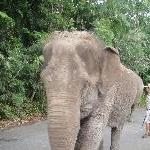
(63, 94)
(63, 121)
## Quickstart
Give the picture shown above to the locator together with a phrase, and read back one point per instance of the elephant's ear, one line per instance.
(111, 66)
(111, 49)
(111, 56)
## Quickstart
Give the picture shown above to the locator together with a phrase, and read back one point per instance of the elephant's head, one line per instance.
(71, 60)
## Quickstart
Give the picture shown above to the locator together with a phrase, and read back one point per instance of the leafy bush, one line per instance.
(127, 29)
(142, 102)
(21, 88)
(24, 24)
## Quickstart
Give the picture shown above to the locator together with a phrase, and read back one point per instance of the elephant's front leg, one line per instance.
(90, 134)
(115, 138)
(93, 126)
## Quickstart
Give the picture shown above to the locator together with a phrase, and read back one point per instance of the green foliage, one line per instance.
(127, 28)
(20, 82)
(142, 102)
(25, 23)
(103, 30)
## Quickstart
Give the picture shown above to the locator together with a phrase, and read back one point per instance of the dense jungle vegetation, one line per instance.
(24, 24)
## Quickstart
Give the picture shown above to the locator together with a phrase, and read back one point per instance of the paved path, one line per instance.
(34, 137)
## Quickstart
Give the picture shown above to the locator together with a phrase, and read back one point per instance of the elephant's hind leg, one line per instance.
(101, 147)
(115, 138)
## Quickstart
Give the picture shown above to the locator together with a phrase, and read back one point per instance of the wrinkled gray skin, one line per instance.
(129, 92)
(87, 89)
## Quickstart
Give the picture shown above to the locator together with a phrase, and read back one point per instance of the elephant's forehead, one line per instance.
(72, 35)
(73, 38)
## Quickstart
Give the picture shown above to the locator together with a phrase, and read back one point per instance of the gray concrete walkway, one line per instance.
(34, 137)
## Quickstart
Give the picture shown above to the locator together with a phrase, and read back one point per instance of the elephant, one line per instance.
(128, 94)
(87, 89)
